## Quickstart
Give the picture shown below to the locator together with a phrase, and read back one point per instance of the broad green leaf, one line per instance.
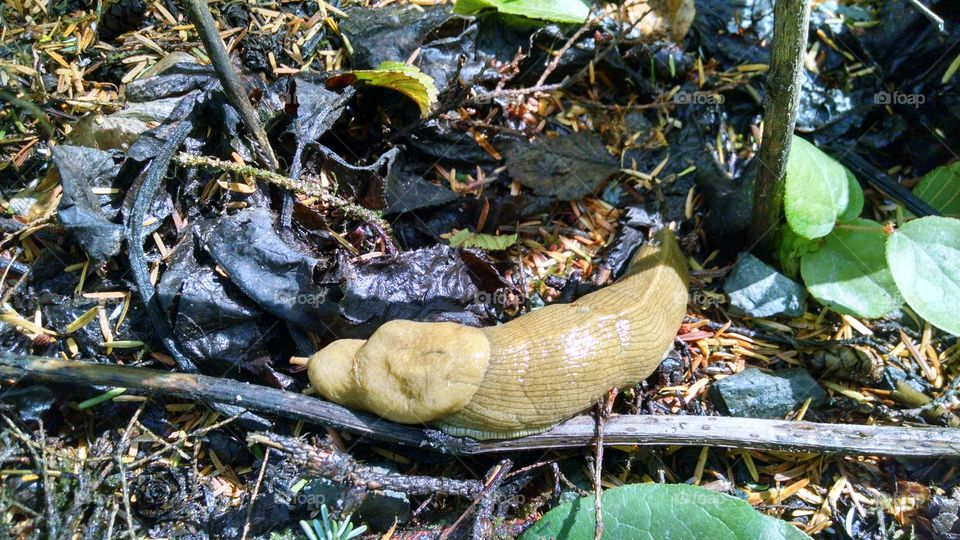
(404, 78)
(561, 11)
(489, 242)
(662, 511)
(791, 248)
(849, 272)
(941, 188)
(817, 191)
(854, 201)
(924, 258)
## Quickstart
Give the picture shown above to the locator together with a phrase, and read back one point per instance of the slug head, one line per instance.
(409, 372)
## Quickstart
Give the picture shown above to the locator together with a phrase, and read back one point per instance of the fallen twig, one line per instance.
(327, 461)
(603, 410)
(122, 447)
(483, 523)
(38, 455)
(232, 86)
(579, 432)
(253, 496)
(310, 189)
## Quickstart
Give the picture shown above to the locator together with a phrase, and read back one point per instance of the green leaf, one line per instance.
(561, 11)
(924, 258)
(662, 511)
(791, 248)
(404, 78)
(489, 242)
(941, 188)
(855, 200)
(849, 272)
(817, 191)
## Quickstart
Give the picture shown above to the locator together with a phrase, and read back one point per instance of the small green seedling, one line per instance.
(858, 266)
(327, 528)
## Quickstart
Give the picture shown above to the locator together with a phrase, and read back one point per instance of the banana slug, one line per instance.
(524, 376)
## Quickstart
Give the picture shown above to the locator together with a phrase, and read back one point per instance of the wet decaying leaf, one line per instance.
(393, 33)
(177, 80)
(32, 404)
(277, 276)
(637, 222)
(313, 109)
(121, 129)
(287, 281)
(431, 284)
(217, 324)
(495, 199)
(729, 31)
(407, 190)
(364, 183)
(87, 217)
(567, 167)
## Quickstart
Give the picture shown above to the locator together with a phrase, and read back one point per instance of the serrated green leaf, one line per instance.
(561, 11)
(404, 78)
(662, 511)
(817, 191)
(849, 272)
(489, 242)
(941, 188)
(924, 259)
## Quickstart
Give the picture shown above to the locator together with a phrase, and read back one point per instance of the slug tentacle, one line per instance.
(521, 377)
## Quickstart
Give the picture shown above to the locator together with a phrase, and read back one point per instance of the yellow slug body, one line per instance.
(522, 377)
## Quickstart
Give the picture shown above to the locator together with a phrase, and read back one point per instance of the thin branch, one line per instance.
(929, 14)
(38, 454)
(486, 97)
(253, 497)
(310, 189)
(566, 46)
(326, 460)
(579, 432)
(603, 410)
(233, 87)
(122, 447)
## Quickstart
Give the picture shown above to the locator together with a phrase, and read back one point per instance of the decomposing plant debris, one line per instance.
(197, 196)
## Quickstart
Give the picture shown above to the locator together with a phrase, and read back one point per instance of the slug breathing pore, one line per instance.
(522, 377)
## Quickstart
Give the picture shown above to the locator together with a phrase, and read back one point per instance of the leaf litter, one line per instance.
(549, 190)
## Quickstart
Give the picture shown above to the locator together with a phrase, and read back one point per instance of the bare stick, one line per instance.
(311, 189)
(791, 21)
(124, 485)
(253, 497)
(579, 432)
(202, 20)
(324, 460)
